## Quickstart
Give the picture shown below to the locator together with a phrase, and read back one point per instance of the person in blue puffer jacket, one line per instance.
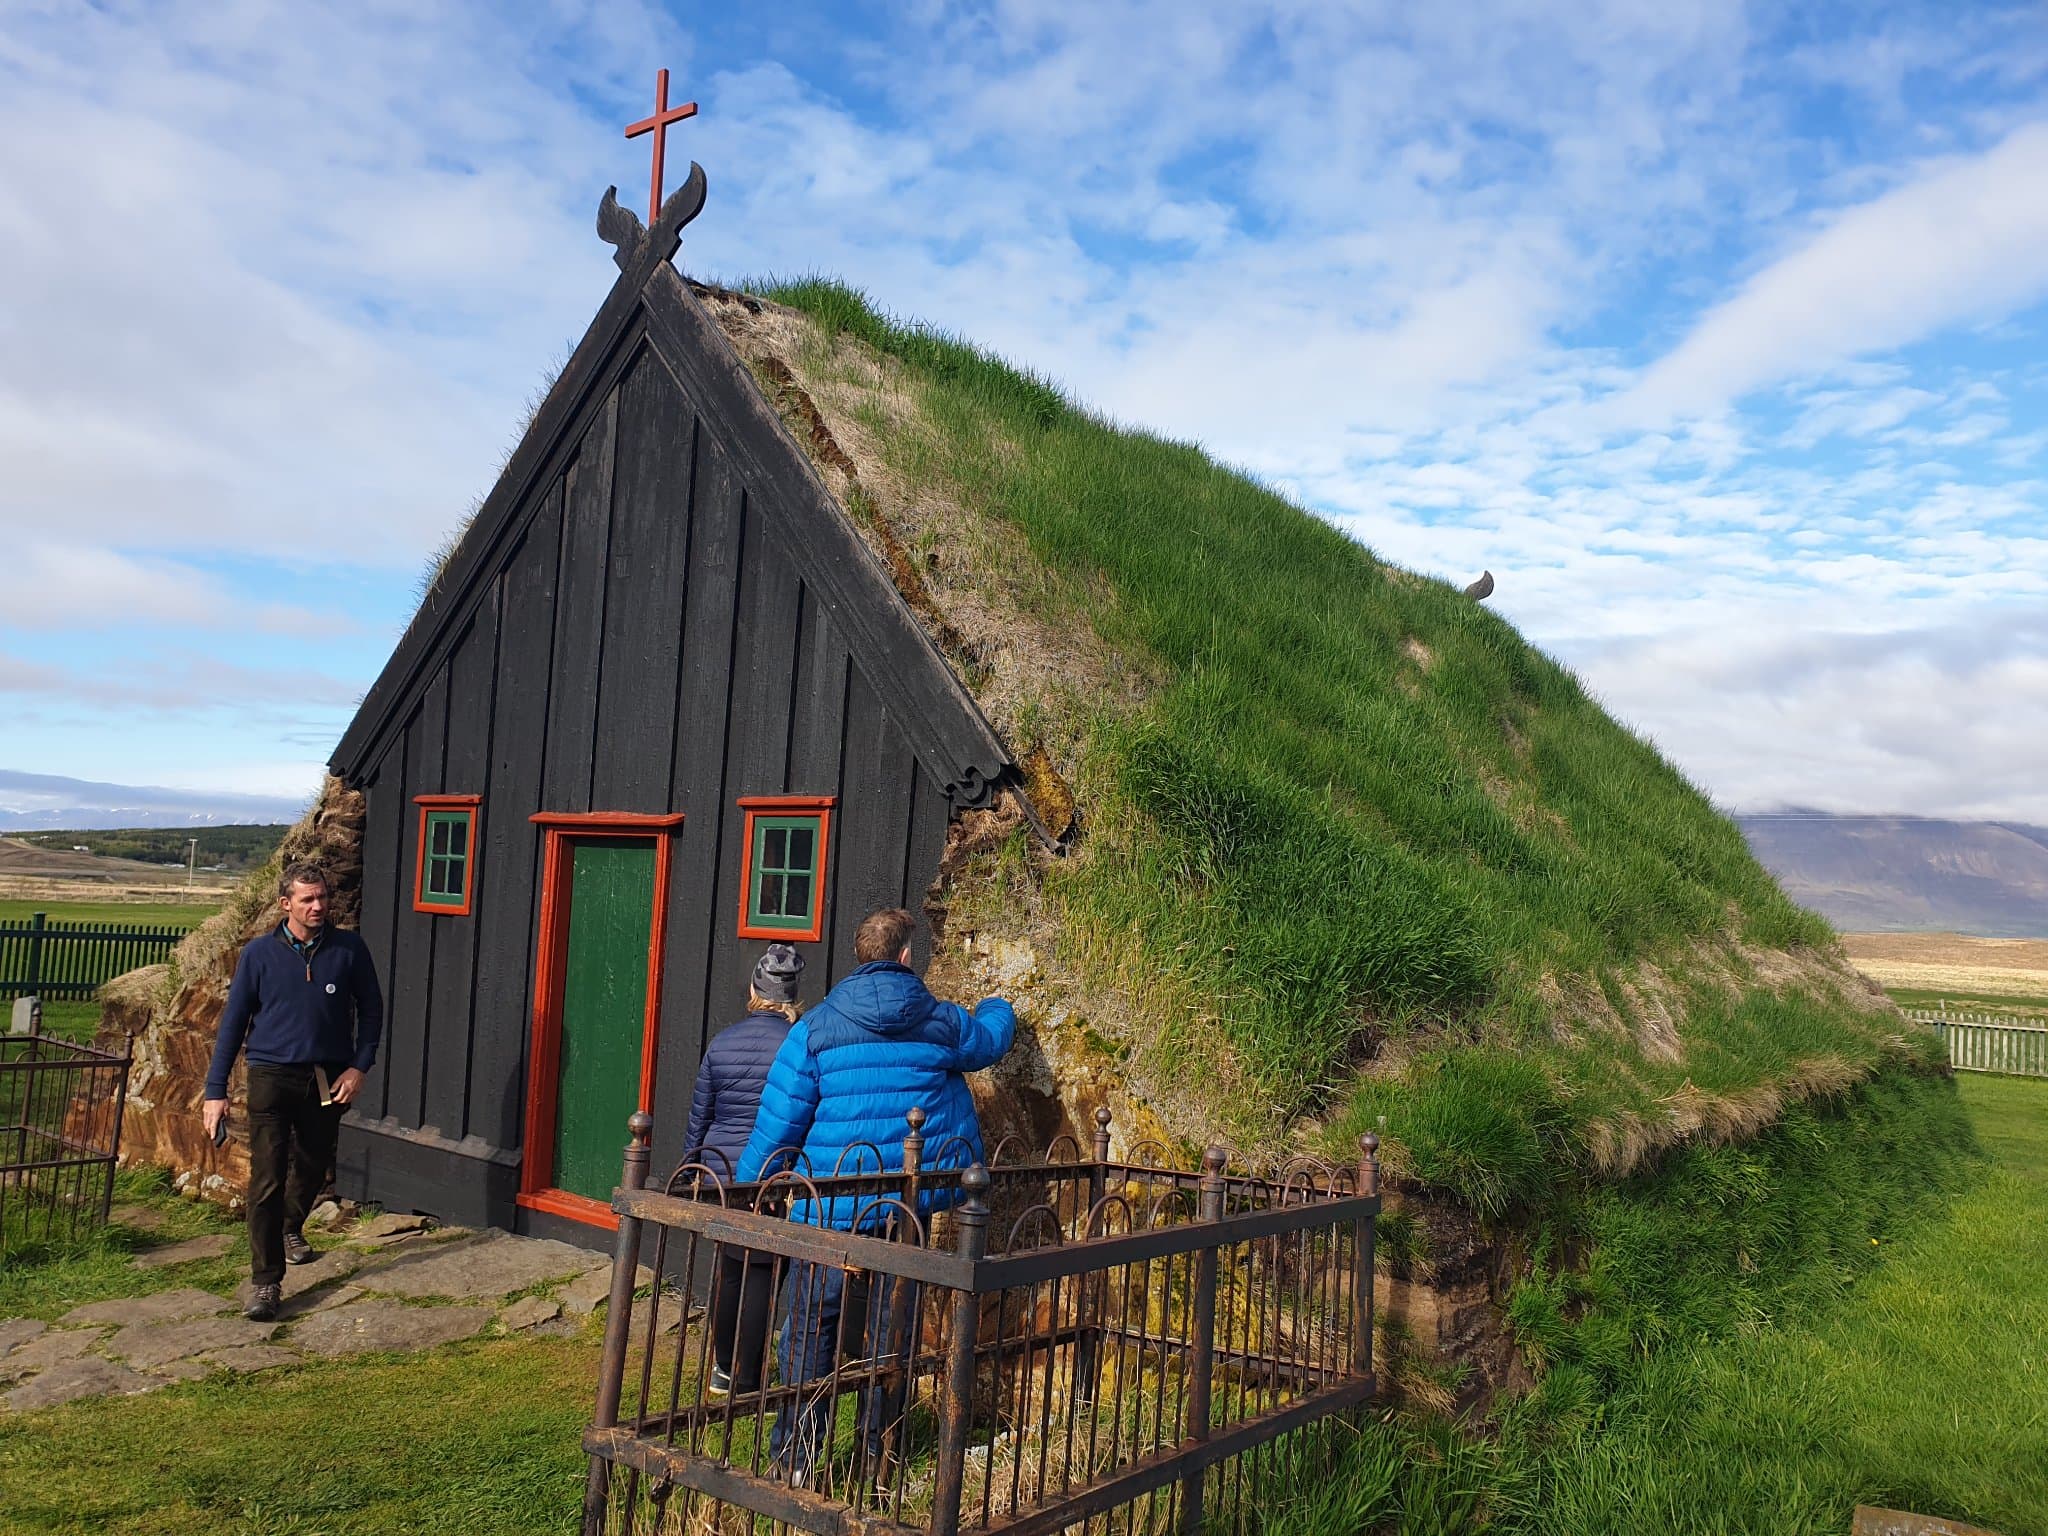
(722, 1109)
(877, 1046)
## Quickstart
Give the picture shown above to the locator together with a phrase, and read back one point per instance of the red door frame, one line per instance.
(543, 1078)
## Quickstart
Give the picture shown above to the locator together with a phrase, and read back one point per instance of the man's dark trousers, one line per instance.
(291, 1147)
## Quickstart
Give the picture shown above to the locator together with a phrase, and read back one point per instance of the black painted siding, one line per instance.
(646, 642)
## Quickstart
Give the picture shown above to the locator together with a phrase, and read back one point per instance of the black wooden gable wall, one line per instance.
(658, 621)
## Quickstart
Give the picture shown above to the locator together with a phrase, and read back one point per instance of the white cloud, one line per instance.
(1964, 240)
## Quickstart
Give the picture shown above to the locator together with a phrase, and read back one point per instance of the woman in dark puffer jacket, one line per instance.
(722, 1110)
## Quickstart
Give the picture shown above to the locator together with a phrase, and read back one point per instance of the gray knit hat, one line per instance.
(778, 974)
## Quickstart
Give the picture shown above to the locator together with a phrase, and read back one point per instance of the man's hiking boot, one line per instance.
(721, 1382)
(263, 1304)
(297, 1250)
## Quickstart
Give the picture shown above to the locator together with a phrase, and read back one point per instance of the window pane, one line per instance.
(458, 875)
(776, 848)
(800, 839)
(771, 895)
(796, 896)
(437, 877)
(437, 834)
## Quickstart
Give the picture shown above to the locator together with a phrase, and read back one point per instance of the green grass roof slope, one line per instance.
(1352, 847)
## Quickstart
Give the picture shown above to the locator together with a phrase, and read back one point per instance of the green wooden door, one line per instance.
(604, 1010)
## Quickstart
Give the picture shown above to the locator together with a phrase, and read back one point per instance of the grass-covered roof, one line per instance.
(1350, 846)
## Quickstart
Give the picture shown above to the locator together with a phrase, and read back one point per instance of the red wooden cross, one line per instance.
(657, 125)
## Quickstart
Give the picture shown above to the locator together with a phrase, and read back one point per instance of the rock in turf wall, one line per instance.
(169, 1013)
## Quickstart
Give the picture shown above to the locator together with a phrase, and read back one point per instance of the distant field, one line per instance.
(1928, 967)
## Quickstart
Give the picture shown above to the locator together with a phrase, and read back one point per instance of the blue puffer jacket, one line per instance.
(877, 1046)
(728, 1091)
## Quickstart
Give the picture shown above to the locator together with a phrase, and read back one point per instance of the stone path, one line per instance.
(393, 1283)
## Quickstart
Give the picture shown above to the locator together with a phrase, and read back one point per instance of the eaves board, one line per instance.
(939, 715)
(497, 526)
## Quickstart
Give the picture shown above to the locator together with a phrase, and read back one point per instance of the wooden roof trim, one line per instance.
(945, 725)
(453, 598)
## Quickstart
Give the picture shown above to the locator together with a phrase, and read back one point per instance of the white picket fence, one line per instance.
(1989, 1042)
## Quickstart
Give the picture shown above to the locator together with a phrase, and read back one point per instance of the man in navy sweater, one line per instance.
(305, 999)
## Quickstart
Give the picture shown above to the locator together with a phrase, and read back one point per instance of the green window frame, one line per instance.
(444, 881)
(786, 843)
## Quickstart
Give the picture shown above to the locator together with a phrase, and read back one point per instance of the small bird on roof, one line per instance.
(1481, 589)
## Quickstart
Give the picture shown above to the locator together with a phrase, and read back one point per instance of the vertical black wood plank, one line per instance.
(874, 811)
(816, 745)
(650, 525)
(756, 751)
(509, 880)
(718, 517)
(579, 618)
(413, 967)
(384, 835)
(930, 814)
(471, 668)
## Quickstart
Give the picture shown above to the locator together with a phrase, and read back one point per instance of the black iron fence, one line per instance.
(1068, 1343)
(60, 1131)
(72, 960)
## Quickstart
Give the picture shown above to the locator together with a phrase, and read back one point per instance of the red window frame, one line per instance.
(543, 1078)
(820, 806)
(428, 804)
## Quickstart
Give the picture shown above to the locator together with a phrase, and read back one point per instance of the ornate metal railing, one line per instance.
(1070, 1342)
(60, 1132)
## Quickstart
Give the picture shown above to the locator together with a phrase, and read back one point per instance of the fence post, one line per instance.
(1361, 1242)
(1202, 1346)
(618, 1322)
(37, 924)
(956, 1410)
(1088, 1336)
(120, 1112)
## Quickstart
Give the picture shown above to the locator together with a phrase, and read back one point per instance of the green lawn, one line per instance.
(1918, 1382)
(1926, 1390)
(1923, 1385)
(178, 911)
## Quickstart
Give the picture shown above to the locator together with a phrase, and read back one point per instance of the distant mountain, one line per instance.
(1908, 874)
(35, 802)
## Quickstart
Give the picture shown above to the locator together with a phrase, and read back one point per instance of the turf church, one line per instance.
(661, 707)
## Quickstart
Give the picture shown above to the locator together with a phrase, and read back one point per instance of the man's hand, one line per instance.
(345, 1086)
(211, 1113)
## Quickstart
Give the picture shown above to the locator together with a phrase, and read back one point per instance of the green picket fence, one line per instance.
(1989, 1042)
(63, 961)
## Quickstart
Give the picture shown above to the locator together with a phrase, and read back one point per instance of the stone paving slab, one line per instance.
(183, 1370)
(529, 1310)
(379, 1325)
(250, 1358)
(386, 1224)
(334, 1264)
(139, 1218)
(48, 1349)
(162, 1307)
(86, 1376)
(147, 1344)
(496, 1264)
(589, 1291)
(212, 1246)
(19, 1330)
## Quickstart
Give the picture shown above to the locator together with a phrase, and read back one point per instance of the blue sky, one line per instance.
(1716, 332)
